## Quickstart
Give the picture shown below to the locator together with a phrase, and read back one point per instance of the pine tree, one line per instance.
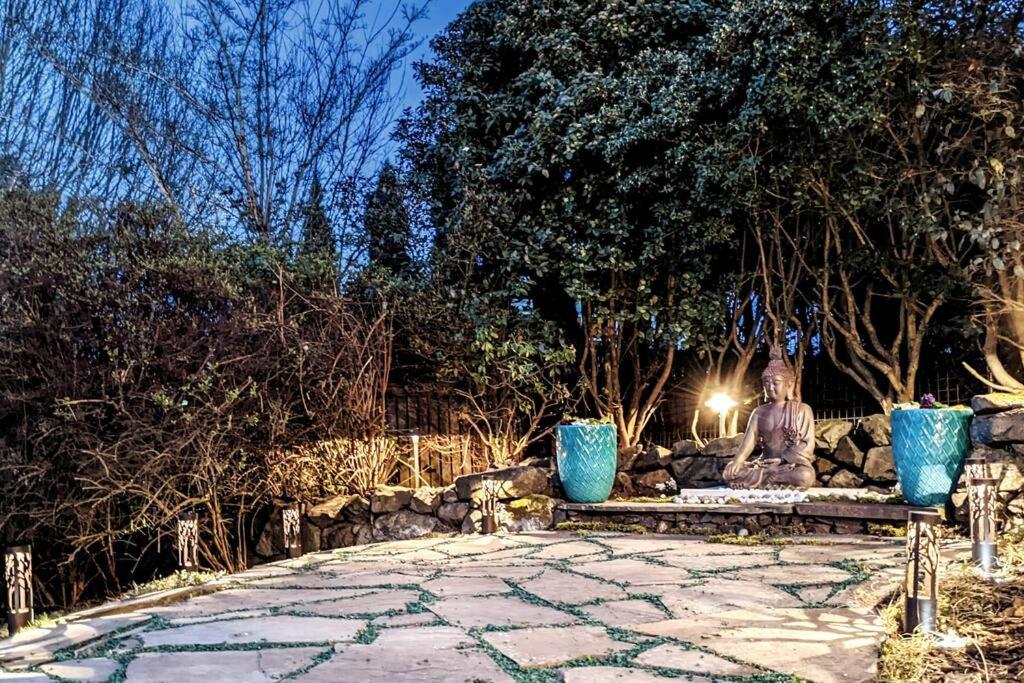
(317, 245)
(387, 223)
(317, 236)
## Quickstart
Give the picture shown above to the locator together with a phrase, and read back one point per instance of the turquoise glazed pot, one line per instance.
(587, 458)
(929, 447)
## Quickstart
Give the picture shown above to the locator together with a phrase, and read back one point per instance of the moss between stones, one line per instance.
(601, 526)
(533, 504)
(366, 636)
(736, 539)
(887, 530)
(875, 498)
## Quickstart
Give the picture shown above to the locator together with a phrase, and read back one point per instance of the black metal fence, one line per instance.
(831, 394)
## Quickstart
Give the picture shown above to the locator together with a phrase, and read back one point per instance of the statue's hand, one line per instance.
(770, 462)
(732, 470)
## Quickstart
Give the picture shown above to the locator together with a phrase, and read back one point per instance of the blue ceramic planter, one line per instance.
(587, 458)
(929, 447)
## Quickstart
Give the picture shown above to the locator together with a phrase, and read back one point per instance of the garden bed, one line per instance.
(986, 617)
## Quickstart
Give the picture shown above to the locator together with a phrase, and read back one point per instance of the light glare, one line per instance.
(721, 403)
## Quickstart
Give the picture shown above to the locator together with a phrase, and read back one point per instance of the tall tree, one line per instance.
(68, 107)
(618, 156)
(316, 242)
(560, 185)
(229, 107)
(386, 223)
(911, 202)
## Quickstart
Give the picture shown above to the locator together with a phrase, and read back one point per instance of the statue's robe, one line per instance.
(788, 437)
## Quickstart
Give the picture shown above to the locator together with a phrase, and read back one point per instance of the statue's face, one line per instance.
(778, 388)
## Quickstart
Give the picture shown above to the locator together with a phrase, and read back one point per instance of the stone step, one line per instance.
(886, 512)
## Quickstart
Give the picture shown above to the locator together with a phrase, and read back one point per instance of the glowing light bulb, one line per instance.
(721, 403)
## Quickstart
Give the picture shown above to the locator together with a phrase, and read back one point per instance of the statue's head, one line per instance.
(778, 378)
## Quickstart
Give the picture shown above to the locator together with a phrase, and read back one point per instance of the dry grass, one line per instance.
(989, 615)
(336, 466)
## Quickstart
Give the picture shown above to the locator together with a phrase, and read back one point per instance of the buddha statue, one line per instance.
(784, 431)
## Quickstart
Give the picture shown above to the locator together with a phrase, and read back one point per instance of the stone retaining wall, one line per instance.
(723, 523)
(397, 513)
(849, 454)
(997, 433)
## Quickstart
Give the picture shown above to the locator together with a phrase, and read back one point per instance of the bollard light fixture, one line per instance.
(291, 522)
(976, 467)
(489, 505)
(188, 541)
(981, 498)
(922, 572)
(18, 584)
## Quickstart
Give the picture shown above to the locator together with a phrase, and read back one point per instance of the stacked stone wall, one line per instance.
(391, 513)
(997, 433)
(849, 454)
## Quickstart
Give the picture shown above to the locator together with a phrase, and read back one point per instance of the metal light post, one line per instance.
(721, 403)
(188, 541)
(922, 572)
(291, 522)
(18, 584)
(981, 498)
(417, 477)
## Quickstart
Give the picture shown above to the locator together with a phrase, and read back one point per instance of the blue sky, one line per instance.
(442, 12)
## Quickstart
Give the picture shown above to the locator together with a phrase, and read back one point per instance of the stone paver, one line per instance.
(496, 610)
(571, 589)
(872, 553)
(442, 609)
(622, 612)
(36, 646)
(618, 674)
(23, 677)
(717, 594)
(252, 666)
(822, 645)
(534, 647)
(796, 576)
(447, 586)
(815, 594)
(246, 599)
(92, 670)
(410, 655)
(279, 629)
(709, 563)
(571, 549)
(396, 620)
(670, 656)
(634, 572)
(373, 603)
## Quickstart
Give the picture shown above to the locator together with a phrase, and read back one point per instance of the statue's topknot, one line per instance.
(776, 366)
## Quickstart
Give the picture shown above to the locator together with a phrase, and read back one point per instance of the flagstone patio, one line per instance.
(542, 606)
